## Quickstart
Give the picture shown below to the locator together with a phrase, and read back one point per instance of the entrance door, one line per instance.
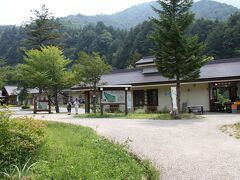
(138, 99)
(152, 99)
(223, 94)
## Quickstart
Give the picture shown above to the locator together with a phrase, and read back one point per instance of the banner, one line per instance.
(113, 96)
(174, 97)
(42, 105)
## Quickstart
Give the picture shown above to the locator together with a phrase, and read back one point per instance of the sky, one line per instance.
(19, 11)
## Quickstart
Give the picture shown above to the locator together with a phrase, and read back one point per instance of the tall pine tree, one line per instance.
(177, 55)
(42, 30)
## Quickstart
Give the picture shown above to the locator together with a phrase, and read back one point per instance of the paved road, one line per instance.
(181, 149)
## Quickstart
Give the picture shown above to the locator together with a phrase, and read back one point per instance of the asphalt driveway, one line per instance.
(181, 149)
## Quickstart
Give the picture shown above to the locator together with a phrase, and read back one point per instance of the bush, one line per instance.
(19, 139)
(25, 107)
(139, 111)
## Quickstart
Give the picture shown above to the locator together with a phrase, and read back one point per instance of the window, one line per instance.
(152, 97)
(138, 98)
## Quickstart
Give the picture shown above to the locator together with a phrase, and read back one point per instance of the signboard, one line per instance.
(113, 97)
(174, 97)
(42, 105)
(129, 100)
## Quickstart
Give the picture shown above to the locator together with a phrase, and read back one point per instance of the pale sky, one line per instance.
(18, 11)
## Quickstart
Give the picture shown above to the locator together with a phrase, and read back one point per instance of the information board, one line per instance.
(113, 97)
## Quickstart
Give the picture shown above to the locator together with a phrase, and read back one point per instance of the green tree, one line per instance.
(177, 54)
(7, 73)
(43, 29)
(10, 43)
(46, 69)
(89, 68)
(2, 72)
(135, 57)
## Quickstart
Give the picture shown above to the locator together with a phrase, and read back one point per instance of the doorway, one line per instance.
(222, 96)
(152, 100)
(138, 99)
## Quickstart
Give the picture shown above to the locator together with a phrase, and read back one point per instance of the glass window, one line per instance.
(152, 97)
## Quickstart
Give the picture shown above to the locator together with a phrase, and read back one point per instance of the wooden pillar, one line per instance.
(101, 104)
(35, 105)
(126, 109)
(209, 96)
(87, 101)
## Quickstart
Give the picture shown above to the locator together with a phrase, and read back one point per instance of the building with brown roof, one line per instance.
(217, 87)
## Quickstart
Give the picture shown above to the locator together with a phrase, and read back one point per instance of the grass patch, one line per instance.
(154, 116)
(75, 152)
(232, 130)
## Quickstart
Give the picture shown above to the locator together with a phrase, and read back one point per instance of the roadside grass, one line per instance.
(75, 152)
(154, 116)
(232, 130)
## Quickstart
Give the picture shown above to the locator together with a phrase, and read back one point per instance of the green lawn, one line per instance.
(232, 130)
(163, 116)
(75, 152)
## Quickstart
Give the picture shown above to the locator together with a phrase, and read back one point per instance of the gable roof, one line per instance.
(1, 96)
(11, 90)
(145, 61)
(216, 70)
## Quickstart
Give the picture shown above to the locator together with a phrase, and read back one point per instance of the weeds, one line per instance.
(18, 173)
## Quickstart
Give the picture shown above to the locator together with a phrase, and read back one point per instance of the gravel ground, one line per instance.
(180, 149)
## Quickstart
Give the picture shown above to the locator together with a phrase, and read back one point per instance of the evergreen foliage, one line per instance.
(42, 30)
(135, 15)
(177, 54)
(118, 46)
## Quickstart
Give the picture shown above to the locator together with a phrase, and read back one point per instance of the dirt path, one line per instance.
(181, 149)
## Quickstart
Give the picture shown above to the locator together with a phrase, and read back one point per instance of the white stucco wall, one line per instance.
(76, 95)
(164, 99)
(196, 94)
(192, 94)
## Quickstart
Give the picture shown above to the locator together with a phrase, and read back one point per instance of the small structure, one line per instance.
(41, 103)
(114, 96)
(10, 94)
(216, 89)
(2, 99)
(111, 98)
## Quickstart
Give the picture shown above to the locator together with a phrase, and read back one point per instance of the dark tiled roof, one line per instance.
(13, 90)
(218, 61)
(145, 60)
(218, 69)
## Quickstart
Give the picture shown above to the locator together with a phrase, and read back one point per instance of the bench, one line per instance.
(195, 109)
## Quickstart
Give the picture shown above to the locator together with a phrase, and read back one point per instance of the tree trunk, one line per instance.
(94, 97)
(26, 101)
(56, 101)
(50, 102)
(178, 95)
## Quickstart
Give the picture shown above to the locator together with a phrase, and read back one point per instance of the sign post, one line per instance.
(174, 100)
(115, 97)
(126, 100)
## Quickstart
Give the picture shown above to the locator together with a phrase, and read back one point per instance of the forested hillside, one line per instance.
(122, 48)
(131, 17)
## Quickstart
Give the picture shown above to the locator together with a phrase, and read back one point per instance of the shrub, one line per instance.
(19, 139)
(25, 107)
(139, 111)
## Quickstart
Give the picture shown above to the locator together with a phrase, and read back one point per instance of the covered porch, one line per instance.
(223, 95)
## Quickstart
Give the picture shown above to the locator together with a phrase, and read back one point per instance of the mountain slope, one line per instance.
(213, 10)
(137, 14)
